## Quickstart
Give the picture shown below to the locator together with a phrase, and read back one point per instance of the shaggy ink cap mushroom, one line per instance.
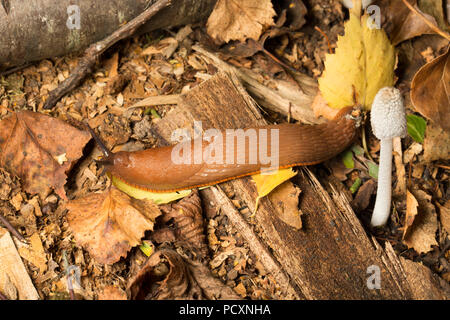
(388, 121)
(387, 115)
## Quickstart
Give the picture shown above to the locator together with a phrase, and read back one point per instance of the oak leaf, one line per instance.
(108, 224)
(239, 20)
(40, 150)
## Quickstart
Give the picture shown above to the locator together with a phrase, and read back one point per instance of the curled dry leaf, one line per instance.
(165, 275)
(401, 23)
(108, 224)
(430, 90)
(421, 222)
(31, 145)
(186, 215)
(239, 20)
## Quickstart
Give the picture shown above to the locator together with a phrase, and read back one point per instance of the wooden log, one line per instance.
(38, 29)
(332, 257)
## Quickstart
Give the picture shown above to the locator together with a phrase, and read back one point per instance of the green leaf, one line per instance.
(373, 169)
(347, 159)
(416, 127)
(355, 186)
(357, 150)
(147, 248)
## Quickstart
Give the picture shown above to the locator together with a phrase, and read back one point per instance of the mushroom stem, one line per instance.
(383, 200)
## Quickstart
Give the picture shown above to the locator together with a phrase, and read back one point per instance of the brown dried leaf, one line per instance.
(186, 216)
(430, 90)
(362, 198)
(411, 211)
(285, 197)
(112, 293)
(444, 215)
(30, 146)
(401, 23)
(436, 144)
(165, 275)
(35, 254)
(421, 235)
(239, 20)
(108, 224)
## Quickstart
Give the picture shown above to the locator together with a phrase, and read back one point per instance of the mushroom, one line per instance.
(388, 121)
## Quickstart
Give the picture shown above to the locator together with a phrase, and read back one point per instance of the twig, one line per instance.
(11, 229)
(428, 22)
(95, 50)
(326, 37)
(364, 142)
(15, 69)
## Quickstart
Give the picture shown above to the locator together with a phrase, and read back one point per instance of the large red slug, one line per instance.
(225, 157)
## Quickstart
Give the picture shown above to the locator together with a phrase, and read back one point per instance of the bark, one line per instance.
(37, 29)
(332, 257)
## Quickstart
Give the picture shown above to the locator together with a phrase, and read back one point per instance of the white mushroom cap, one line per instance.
(388, 114)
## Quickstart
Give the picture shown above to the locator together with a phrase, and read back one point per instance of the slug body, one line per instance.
(229, 154)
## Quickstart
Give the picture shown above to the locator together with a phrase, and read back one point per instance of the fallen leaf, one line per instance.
(362, 198)
(411, 211)
(430, 90)
(165, 275)
(401, 23)
(416, 127)
(240, 289)
(112, 293)
(421, 234)
(156, 197)
(184, 220)
(435, 8)
(35, 254)
(29, 144)
(108, 224)
(436, 145)
(347, 159)
(414, 149)
(285, 197)
(366, 57)
(233, 20)
(444, 215)
(265, 183)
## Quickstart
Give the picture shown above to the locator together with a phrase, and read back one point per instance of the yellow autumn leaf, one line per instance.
(156, 197)
(265, 183)
(362, 64)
